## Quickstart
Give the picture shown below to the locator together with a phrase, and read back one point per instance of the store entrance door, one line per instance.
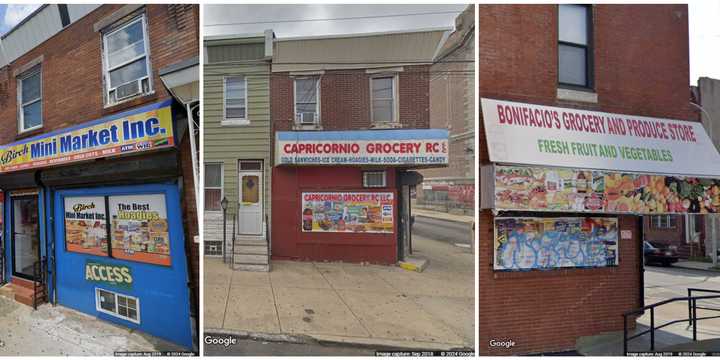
(250, 206)
(25, 236)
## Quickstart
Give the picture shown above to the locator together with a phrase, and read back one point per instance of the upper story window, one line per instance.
(235, 99)
(307, 101)
(575, 67)
(663, 221)
(126, 66)
(30, 100)
(383, 99)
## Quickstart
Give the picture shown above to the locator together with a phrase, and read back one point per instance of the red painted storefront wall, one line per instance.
(289, 242)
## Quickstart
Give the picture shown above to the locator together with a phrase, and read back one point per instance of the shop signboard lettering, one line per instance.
(370, 147)
(86, 225)
(109, 274)
(360, 212)
(139, 228)
(575, 190)
(528, 243)
(145, 129)
(528, 134)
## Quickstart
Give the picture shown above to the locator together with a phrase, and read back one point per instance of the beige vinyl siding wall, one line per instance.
(230, 144)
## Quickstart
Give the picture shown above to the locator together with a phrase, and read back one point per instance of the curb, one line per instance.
(710, 269)
(381, 345)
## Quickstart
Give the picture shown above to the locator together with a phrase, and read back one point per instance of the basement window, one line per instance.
(121, 306)
(374, 179)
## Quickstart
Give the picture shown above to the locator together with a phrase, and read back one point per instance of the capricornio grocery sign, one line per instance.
(367, 147)
(551, 136)
(142, 129)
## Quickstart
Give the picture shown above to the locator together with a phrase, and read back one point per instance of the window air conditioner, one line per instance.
(307, 118)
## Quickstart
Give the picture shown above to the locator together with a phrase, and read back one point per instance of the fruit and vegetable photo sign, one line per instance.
(576, 190)
(366, 212)
(537, 135)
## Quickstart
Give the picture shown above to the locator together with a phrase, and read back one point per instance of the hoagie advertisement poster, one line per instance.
(139, 229)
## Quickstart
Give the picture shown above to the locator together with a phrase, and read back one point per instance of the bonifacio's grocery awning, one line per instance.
(559, 159)
(519, 133)
(410, 148)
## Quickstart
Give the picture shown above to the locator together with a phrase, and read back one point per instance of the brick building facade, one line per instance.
(332, 112)
(546, 311)
(83, 78)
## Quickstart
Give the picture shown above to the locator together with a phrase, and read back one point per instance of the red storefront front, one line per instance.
(344, 195)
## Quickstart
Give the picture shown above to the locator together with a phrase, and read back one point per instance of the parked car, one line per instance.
(659, 254)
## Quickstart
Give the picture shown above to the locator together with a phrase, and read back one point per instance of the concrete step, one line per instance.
(249, 242)
(251, 249)
(251, 259)
(251, 267)
(24, 295)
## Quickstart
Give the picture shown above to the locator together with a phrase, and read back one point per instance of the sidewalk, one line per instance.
(349, 303)
(442, 215)
(59, 331)
(695, 265)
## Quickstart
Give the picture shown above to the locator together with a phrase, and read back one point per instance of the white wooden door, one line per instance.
(250, 209)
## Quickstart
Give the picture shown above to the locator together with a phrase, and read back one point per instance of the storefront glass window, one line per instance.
(213, 187)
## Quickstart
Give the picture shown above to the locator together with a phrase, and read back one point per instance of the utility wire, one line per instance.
(334, 19)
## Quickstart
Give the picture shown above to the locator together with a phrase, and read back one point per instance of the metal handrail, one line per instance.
(692, 316)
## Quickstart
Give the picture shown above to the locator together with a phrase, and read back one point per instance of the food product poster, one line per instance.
(139, 230)
(360, 212)
(559, 189)
(526, 243)
(86, 225)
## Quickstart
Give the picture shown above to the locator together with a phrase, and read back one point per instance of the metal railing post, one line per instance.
(224, 235)
(652, 329)
(694, 315)
(625, 335)
(689, 307)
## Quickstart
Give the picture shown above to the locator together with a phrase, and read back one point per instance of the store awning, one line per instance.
(142, 129)
(520, 133)
(407, 148)
(569, 160)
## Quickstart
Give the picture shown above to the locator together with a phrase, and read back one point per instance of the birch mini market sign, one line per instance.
(366, 147)
(146, 128)
(519, 133)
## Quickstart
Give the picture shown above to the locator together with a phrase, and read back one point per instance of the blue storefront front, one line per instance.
(95, 221)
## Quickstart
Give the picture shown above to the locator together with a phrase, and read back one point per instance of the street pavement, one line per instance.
(59, 331)
(252, 347)
(663, 283)
(449, 231)
(351, 305)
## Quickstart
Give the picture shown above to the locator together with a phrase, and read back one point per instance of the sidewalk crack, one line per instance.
(275, 301)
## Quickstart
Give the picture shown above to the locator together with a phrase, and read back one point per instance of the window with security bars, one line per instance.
(374, 179)
(122, 306)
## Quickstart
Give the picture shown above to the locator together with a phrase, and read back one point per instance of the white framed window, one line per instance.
(383, 99)
(235, 100)
(374, 179)
(126, 61)
(213, 186)
(307, 100)
(663, 221)
(125, 307)
(29, 92)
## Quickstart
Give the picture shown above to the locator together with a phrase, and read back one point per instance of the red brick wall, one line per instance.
(289, 242)
(345, 99)
(73, 92)
(641, 68)
(72, 68)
